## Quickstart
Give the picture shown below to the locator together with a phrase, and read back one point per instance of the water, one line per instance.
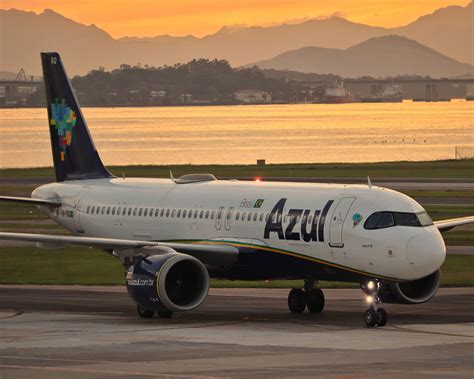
(243, 134)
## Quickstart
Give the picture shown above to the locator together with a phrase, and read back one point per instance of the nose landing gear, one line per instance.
(310, 297)
(374, 316)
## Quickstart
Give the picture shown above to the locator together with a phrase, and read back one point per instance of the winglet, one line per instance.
(172, 177)
(369, 183)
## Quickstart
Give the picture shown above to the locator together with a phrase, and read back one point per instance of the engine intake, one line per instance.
(171, 282)
(414, 292)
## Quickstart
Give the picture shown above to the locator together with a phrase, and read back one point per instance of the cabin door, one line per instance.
(338, 218)
(80, 209)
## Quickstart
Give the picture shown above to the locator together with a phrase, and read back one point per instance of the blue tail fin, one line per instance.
(74, 154)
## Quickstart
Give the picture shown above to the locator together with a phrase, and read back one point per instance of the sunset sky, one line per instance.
(181, 17)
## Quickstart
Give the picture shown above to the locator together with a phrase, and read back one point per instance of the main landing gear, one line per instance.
(299, 299)
(147, 313)
(374, 316)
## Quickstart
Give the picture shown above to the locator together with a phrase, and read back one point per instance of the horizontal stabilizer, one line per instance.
(31, 201)
(445, 225)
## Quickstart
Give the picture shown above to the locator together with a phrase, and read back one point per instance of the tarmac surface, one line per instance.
(77, 332)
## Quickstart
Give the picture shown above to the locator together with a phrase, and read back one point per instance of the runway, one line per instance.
(60, 331)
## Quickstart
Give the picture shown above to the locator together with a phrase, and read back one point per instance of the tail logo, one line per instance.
(63, 119)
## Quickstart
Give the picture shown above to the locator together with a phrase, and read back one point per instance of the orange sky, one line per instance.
(200, 17)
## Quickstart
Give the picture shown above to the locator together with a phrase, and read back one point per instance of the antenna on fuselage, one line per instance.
(172, 177)
(369, 183)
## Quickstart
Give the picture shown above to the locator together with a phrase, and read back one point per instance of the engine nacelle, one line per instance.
(169, 282)
(414, 292)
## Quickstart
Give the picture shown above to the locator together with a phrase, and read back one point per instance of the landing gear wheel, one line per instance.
(315, 300)
(297, 300)
(165, 314)
(381, 317)
(145, 313)
(370, 318)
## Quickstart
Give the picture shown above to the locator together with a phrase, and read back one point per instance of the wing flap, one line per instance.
(445, 225)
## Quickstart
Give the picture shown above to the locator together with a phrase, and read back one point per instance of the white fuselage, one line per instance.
(239, 212)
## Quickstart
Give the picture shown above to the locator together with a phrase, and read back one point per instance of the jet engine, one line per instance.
(168, 282)
(414, 292)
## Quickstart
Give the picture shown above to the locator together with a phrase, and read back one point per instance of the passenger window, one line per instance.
(219, 215)
(124, 211)
(184, 213)
(207, 215)
(261, 217)
(190, 213)
(92, 210)
(249, 216)
(103, 210)
(129, 211)
(135, 211)
(255, 215)
(243, 216)
(113, 211)
(140, 211)
(88, 208)
(162, 213)
(108, 210)
(173, 212)
(178, 215)
(237, 215)
(213, 214)
(167, 213)
(196, 213)
(119, 209)
(150, 212)
(145, 213)
(201, 214)
(156, 212)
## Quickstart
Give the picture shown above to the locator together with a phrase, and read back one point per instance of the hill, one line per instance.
(377, 57)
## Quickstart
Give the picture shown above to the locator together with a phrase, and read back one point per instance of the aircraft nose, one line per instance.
(426, 252)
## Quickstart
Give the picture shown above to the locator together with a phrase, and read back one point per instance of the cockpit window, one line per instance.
(424, 218)
(371, 222)
(380, 220)
(406, 219)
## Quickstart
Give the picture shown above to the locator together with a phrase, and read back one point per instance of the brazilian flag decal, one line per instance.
(258, 203)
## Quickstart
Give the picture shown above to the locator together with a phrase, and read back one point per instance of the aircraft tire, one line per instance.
(370, 318)
(297, 300)
(144, 313)
(315, 300)
(381, 317)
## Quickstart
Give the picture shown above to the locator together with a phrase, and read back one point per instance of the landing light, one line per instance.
(257, 180)
(369, 299)
(371, 285)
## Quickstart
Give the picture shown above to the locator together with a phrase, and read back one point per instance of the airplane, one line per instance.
(172, 235)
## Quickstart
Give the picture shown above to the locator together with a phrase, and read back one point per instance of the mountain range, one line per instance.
(25, 34)
(377, 57)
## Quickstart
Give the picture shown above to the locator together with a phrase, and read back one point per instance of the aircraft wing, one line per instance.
(445, 225)
(213, 254)
(31, 201)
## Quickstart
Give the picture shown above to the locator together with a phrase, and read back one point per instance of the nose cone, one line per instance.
(426, 252)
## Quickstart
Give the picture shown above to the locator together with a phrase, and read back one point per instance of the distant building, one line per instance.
(253, 96)
(154, 94)
(185, 97)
